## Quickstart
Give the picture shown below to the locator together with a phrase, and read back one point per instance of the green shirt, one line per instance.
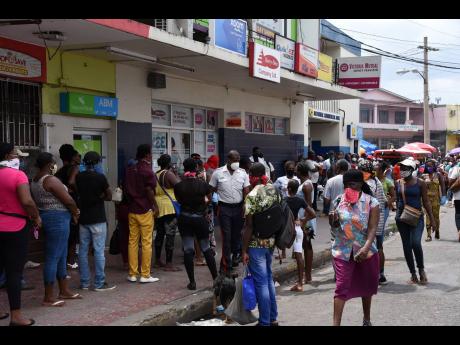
(258, 200)
(387, 184)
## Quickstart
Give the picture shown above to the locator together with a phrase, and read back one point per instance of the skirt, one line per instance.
(356, 279)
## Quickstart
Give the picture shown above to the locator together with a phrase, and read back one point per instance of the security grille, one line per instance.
(20, 113)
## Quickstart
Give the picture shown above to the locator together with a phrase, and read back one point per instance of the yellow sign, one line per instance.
(311, 112)
(325, 68)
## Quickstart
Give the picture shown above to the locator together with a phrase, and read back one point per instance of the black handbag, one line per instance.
(114, 248)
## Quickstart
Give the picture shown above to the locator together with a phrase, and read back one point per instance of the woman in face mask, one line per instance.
(436, 193)
(56, 209)
(413, 192)
(354, 217)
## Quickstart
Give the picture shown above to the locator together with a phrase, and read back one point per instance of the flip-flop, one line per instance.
(53, 304)
(76, 296)
(200, 263)
(296, 288)
(4, 316)
(31, 323)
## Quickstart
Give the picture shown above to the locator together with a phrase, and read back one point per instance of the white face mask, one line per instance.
(235, 166)
(54, 169)
(406, 173)
(13, 163)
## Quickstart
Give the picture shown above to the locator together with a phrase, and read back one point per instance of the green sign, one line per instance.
(79, 103)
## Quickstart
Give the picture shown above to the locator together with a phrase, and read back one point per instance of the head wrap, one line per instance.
(366, 165)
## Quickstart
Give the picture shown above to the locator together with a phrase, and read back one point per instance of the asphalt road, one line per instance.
(396, 303)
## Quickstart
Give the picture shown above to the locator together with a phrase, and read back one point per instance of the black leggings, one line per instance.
(13, 255)
(457, 214)
(189, 228)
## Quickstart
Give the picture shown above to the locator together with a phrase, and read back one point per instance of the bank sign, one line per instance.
(360, 73)
(264, 62)
(79, 103)
(231, 35)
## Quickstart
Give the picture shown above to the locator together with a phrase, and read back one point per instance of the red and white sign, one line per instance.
(264, 62)
(306, 60)
(360, 72)
(21, 60)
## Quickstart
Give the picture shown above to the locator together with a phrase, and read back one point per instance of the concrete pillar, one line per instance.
(376, 114)
(407, 114)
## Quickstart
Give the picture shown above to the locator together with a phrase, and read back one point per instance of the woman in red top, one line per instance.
(16, 209)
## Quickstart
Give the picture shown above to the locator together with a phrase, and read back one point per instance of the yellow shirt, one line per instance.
(165, 205)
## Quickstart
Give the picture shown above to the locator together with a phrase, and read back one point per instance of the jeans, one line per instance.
(56, 226)
(457, 214)
(231, 224)
(412, 242)
(260, 266)
(95, 233)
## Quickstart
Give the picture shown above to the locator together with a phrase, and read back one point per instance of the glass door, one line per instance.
(180, 144)
(159, 145)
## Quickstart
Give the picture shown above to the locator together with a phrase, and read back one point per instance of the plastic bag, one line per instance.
(236, 310)
(249, 291)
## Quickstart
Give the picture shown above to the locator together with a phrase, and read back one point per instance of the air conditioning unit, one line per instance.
(452, 113)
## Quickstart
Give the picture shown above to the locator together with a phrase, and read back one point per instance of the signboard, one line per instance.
(248, 123)
(212, 119)
(360, 72)
(257, 124)
(287, 49)
(274, 25)
(79, 103)
(233, 120)
(325, 68)
(159, 143)
(161, 114)
(269, 126)
(231, 35)
(306, 60)
(352, 132)
(181, 117)
(323, 115)
(200, 118)
(264, 62)
(23, 61)
(408, 128)
(280, 126)
(211, 144)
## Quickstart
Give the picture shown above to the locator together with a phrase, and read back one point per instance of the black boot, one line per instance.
(190, 268)
(211, 262)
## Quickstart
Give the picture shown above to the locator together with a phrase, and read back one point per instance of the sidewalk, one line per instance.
(160, 303)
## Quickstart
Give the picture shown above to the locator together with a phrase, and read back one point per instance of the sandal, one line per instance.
(413, 280)
(428, 239)
(423, 278)
(75, 296)
(200, 263)
(297, 288)
(4, 316)
(53, 304)
(31, 323)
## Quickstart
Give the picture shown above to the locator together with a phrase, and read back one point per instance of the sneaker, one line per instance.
(132, 279)
(105, 287)
(84, 287)
(148, 280)
(383, 280)
(73, 266)
(31, 264)
(367, 323)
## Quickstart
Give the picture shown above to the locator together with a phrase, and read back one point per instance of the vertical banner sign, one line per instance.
(231, 35)
(287, 49)
(360, 72)
(211, 144)
(264, 62)
(325, 68)
(306, 60)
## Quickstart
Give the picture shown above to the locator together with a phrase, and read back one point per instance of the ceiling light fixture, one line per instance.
(54, 36)
(307, 95)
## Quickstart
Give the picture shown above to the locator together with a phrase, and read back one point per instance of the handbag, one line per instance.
(114, 248)
(410, 215)
(175, 204)
(249, 291)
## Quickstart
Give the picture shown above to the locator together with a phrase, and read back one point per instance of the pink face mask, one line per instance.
(351, 195)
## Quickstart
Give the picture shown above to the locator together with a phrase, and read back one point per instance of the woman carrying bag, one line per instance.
(411, 192)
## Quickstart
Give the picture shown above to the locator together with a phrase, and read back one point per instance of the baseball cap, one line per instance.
(409, 163)
(92, 158)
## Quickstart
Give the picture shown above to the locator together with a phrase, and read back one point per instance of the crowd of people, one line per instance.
(358, 193)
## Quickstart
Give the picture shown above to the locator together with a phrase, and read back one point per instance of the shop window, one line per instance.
(365, 116)
(20, 113)
(400, 117)
(383, 116)
(265, 124)
(181, 117)
(161, 114)
(199, 116)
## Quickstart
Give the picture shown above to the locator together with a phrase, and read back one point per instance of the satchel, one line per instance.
(286, 236)
(249, 291)
(410, 215)
(175, 204)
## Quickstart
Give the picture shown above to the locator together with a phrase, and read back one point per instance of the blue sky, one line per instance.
(443, 34)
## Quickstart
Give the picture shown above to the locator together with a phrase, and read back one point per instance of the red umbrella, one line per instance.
(422, 146)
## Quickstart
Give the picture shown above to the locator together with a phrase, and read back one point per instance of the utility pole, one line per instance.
(426, 99)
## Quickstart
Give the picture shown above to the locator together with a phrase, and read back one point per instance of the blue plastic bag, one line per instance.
(249, 291)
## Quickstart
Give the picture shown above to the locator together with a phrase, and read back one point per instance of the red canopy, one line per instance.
(420, 146)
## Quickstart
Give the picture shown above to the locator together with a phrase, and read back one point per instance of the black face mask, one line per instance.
(290, 173)
(261, 155)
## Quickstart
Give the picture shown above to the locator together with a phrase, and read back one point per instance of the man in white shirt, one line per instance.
(258, 156)
(231, 185)
(282, 182)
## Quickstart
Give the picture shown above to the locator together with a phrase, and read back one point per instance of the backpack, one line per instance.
(268, 222)
(286, 236)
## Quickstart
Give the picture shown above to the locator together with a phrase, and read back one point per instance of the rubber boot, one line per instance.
(211, 263)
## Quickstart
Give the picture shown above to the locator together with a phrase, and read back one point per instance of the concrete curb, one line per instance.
(191, 307)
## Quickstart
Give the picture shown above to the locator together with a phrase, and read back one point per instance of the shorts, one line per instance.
(297, 248)
(379, 239)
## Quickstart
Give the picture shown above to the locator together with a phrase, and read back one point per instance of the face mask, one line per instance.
(367, 175)
(235, 166)
(14, 163)
(290, 173)
(54, 169)
(255, 180)
(261, 155)
(351, 195)
(429, 170)
(98, 168)
(405, 173)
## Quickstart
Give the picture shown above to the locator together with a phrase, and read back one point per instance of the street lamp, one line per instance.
(426, 125)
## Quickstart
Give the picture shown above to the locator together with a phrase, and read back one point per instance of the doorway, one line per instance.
(86, 141)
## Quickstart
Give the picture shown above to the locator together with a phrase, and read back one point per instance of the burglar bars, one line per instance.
(20, 113)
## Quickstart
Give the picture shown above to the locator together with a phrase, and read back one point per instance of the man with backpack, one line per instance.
(263, 221)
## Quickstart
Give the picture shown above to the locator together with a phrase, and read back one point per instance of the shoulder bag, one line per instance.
(175, 204)
(410, 215)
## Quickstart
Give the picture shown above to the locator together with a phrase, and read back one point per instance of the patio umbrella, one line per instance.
(454, 151)
(412, 151)
(422, 146)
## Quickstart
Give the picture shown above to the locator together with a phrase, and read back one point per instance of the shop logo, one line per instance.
(344, 67)
(159, 113)
(81, 100)
(268, 61)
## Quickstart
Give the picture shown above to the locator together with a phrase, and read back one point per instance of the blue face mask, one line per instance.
(99, 169)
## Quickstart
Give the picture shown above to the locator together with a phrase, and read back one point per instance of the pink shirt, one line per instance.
(10, 179)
